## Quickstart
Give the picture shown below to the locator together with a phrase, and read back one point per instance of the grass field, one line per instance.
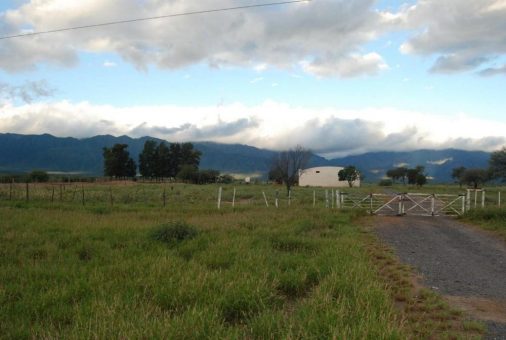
(133, 268)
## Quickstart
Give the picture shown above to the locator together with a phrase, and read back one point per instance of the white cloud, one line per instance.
(328, 131)
(464, 35)
(327, 34)
(109, 64)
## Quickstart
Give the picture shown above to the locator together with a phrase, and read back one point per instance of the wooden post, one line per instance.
(82, 191)
(499, 199)
(370, 203)
(27, 192)
(289, 197)
(265, 199)
(233, 199)
(219, 197)
(314, 198)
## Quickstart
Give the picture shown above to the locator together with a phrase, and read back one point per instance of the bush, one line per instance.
(39, 176)
(174, 232)
(385, 183)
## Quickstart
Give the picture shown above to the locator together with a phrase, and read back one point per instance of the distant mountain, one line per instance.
(21, 153)
(438, 163)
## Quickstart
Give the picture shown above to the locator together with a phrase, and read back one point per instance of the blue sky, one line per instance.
(386, 75)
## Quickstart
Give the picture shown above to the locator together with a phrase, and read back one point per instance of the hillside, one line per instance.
(21, 153)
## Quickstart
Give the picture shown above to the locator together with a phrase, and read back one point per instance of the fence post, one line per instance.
(265, 199)
(483, 198)
(475, 198)
(432, 204)
(82, 190)
(111, 199)
(61, 192)
(219, 197)
(400, 205)
(499, 199)
(52, 194)
(338, 199)
(468, 200)
(314, 198)
(10, 189)
(370, 203)
(27, 192)
(233, 199)
(463, 204)
(289, 197)
(326, 198)
(276, 203)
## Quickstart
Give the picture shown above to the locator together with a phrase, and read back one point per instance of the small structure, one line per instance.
(323, 176)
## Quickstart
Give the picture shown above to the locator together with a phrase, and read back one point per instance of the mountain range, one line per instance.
(23, 153)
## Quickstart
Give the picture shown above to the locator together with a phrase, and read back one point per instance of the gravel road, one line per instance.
(463, 263)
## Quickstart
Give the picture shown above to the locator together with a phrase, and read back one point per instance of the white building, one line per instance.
(323, 176)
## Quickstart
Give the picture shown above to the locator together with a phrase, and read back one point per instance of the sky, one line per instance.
(339, 77)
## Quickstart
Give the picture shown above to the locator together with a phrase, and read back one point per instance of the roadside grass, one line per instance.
(490, 218)
(100, 271)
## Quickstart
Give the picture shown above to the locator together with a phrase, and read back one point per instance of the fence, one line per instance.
(170, 194)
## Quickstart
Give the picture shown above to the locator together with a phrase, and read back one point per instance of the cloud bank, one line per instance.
(326, 36)
(329, 132)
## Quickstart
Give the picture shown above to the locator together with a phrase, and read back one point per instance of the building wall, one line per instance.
(323, 176)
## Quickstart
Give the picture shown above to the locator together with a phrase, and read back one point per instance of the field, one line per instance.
(160, 260)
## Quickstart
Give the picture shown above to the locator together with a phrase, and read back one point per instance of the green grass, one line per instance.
(131, 267)
(493, 219)
(101, 271)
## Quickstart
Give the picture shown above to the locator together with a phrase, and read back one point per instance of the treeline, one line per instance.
(159, 161)
(413, 176)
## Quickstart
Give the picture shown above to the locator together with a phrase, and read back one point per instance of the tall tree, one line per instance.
(412, 174)
(398, 173)
(287, 164)
(163, 159)
(498, 164)
(475, 177)
(148, 159)
(349, 174)
(117, 162)
(457, 175)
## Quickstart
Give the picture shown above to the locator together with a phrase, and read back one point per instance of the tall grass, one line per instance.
(72, 271)
(493, 219)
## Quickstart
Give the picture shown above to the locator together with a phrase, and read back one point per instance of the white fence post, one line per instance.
(338, 199)
(276, 203)
(432, 204)
(468, 200)
(265, 199)
(219, 197)
(326, 198)
(463, 205)
(233, 199)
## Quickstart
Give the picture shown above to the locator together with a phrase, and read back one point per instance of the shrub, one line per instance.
(385, 183)
(174, 232)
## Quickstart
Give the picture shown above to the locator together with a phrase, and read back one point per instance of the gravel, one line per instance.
(454, 259)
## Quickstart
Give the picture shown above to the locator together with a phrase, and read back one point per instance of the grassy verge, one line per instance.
(492, 219)
(68, 271)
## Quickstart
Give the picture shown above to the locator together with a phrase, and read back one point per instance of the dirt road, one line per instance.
(464, 264)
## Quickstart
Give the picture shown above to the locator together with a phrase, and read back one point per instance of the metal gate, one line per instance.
(419, 204)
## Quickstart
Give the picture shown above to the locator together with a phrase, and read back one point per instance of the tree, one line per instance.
(349, 174)
(286, 165)
(163, 161)
(412, 174)
(457, 174)
(497, 164)
(398, 173)
(148, 159)
(117, 162)
(421, 180)
(475, 177)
